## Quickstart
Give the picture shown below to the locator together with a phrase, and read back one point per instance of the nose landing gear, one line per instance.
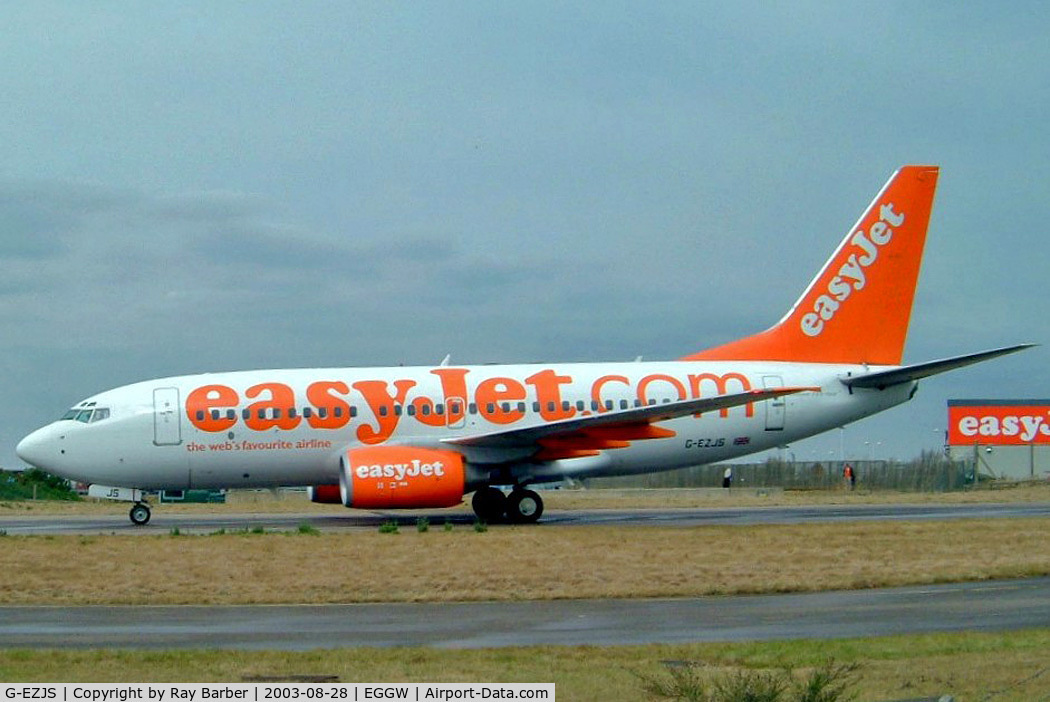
(140, 513)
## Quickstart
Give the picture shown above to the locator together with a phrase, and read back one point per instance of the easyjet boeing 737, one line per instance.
(385, 438)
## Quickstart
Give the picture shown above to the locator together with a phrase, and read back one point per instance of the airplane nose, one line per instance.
(34, 449)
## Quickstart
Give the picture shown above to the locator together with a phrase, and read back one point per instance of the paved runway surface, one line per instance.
(989, 606)
(163, 521)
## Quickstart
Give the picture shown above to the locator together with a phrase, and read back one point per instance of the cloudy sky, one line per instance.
(208, 186)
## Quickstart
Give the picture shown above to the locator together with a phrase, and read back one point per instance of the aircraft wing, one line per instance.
(904, 374)
(587, 435)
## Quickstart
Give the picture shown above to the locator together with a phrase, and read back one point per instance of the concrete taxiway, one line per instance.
(163, 521)
(987, 606)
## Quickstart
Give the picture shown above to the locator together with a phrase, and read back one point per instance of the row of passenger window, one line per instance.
(425, 410)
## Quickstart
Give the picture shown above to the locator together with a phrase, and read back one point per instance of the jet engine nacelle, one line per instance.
(325, 494)
(387, 477)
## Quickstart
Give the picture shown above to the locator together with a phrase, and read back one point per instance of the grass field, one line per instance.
(973, 667)
(552, 562)
(509, 563)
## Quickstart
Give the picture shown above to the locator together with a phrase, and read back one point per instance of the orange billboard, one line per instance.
(998, 422)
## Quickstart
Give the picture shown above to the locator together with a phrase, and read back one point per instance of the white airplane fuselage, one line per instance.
(152, 440)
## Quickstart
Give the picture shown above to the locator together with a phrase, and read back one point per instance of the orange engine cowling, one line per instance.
(401, 477)
(325, 494)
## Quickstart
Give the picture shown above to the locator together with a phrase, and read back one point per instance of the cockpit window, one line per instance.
(87, 414)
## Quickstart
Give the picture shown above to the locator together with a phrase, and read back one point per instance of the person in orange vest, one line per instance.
(849, 477)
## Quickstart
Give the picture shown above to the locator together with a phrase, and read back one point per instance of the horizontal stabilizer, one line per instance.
(904, 374)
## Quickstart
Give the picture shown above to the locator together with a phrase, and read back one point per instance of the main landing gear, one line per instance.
(521, 506)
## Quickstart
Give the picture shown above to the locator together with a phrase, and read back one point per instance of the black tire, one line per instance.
(139, 514)
(524, 507)
(490, 505)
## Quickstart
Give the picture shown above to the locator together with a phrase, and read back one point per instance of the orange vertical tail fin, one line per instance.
(857, 308)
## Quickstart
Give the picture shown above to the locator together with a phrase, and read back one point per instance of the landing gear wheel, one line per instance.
(489, 504)
(524, 506)
(139, 514)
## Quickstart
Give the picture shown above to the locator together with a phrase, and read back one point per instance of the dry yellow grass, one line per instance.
(1005, 667)
(513, 562)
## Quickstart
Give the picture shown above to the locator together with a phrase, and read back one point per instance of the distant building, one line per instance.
(1007, 439)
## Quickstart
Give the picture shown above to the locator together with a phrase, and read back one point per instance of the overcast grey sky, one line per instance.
(207, 186)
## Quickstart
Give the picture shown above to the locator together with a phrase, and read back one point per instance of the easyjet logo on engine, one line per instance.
(400, 471)
(401, 477)
(864, 248)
